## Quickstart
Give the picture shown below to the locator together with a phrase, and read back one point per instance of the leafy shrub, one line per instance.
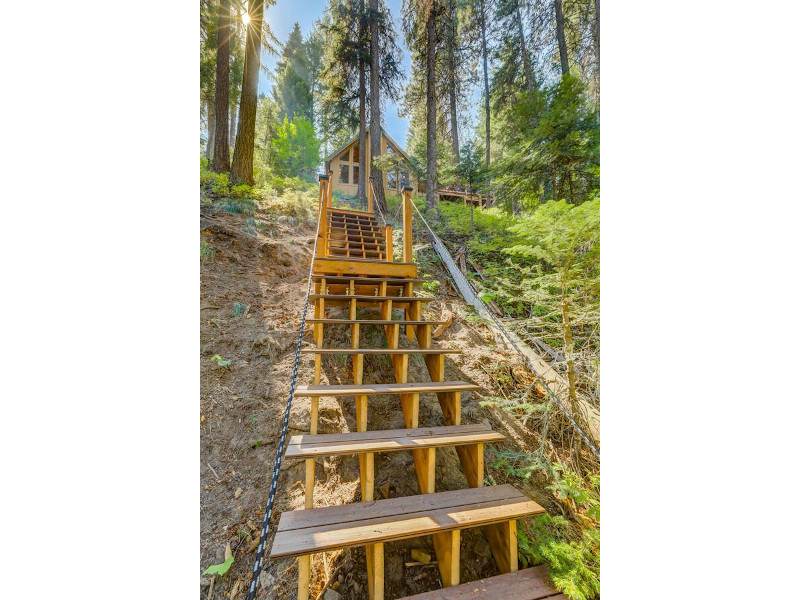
(217, 184)
(242, 191)
(573, 560)
(239, 206)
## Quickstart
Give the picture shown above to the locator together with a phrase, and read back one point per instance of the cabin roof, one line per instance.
(355, 138)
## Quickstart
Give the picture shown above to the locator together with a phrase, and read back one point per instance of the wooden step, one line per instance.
(528, 584)
(383, 388)
(393, 290)
(338, 251)
(347, 278)
(348, 211)
(373, 351)
(388, 440)
(332, 241)
(317, 529)
(372, 322)
(362, 267)
(348, 297)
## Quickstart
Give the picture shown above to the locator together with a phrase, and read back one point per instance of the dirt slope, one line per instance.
(261, 261)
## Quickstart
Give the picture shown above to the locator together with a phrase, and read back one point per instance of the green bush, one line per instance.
(242, 191)
(573, 560)
(239, 206)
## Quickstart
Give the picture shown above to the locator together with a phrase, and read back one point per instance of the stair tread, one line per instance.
(356, 442)
(364, 260)
(372, 322)
(380, 351)
(527, 584)
(373, 298)
(333, 278)
(383, 388)
(317, 529)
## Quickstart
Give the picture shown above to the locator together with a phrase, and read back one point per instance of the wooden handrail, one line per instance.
(369, 197)
(407, 254)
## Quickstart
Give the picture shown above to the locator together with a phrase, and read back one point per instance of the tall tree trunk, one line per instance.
(212, 123)
(362, 111)
(232, 136)
(221, 153)
(375, 106)
(562, 40)
(597, 32)
(242, 167)
(530, 82)
(453, 31)
(431, 197)
(486, 82)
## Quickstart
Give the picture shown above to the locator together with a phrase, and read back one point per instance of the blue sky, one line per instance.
(282, 17)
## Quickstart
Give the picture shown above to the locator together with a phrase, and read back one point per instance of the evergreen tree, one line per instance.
(292, 89)
(221, 161)
(295, 149)
(344, 75)
(208, 67)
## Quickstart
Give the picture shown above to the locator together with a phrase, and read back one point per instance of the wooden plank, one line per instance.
(395, 507)
(354, 266)
(388, 440)
(347, 211)
(389, 280)
(318, 529)
(362, 532)
(347, 297)
(383, 388)
(404, 351)
(528, 584)
(372, 322)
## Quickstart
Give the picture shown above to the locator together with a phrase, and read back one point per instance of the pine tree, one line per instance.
(221, 161)
(292, 89)
(242, 166)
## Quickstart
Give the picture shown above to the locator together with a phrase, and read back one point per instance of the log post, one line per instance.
(324, 182)
(389, 249)
(330, 188)
(407, 255)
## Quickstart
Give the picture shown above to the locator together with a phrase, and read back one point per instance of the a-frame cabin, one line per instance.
(343, 163)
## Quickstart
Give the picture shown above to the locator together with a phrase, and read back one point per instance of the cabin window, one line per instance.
(391, 180)
(355, 174)
(344, 173)
(355, 157)
(345, 156)
(405, 179)
(389, 149)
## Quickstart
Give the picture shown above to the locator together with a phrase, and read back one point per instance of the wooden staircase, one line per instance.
(355, 269)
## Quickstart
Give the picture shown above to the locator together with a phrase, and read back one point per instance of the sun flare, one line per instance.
(246, 18)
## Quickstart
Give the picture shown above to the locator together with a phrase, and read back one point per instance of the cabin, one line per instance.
(343, 163)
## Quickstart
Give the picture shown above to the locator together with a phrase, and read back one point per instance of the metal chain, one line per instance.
(251, 594)
(512, 343)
